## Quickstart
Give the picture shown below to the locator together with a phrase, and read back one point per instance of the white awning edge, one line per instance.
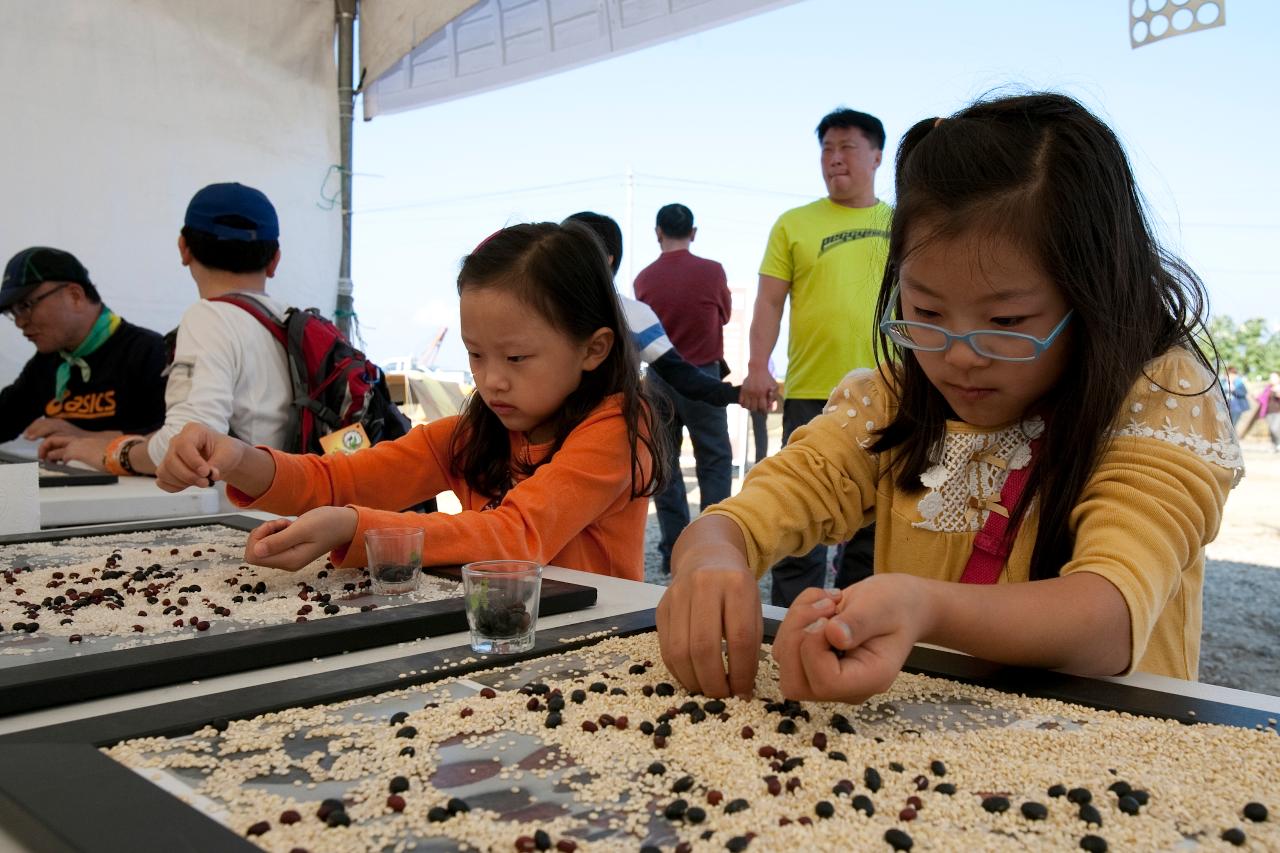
(496, 43)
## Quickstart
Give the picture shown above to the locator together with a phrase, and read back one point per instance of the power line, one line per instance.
(478, 196)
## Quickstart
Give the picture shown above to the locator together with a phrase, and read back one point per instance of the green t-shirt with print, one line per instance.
(834, 257)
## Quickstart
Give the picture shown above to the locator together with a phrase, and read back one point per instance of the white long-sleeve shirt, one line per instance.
(228, 373)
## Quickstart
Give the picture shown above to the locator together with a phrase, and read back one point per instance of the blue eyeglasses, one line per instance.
(989, 343)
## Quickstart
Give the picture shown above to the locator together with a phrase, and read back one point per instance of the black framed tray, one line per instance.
(53, 474)
(41, 683)
(65, 794)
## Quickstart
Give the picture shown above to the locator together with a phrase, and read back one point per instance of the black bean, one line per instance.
(995, 805)
(555, 703)
(945, 788)
(657, 768)
(695, 814)
(646, 728)
(1093, 844)
(842, 788)
(897, 839)
(338, 818)
(407, 732)
(786, 727)
(664, 689)
(1079, 796)
(1235, 835)
(577, 697)
(258, 828)
(398, 717)
(636, 669)
(1120, 789)
(1057, 790)
(683, 784)
(862, 803)
(676, 809)
(1090, 815)
(398, 785)
(1255, 812)
(328, 807)
(408, 751)
(937, 768)
(824, 809)
(791, 764)
(735, 806)
(896, 767)
(663, 729)
(598, 687)
(871, 777)
(1141, 796)
(553, 720)
(457, 806)
(1128, 805)
(438, 814)
(541, 840)
(1034, 811)
(737, 844)
(835, 755)
(715, 706)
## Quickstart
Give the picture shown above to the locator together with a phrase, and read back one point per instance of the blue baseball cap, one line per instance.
(233, 212)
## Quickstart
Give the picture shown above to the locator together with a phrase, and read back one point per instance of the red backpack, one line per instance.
(334, 384)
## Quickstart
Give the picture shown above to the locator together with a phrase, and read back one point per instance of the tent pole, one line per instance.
(345, 11)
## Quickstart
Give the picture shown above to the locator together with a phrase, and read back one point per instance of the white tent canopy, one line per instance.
(116, 112)
(419, 52)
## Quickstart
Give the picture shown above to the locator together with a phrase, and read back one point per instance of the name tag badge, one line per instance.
(346, 440)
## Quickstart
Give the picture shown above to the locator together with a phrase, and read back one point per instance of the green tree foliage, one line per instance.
(1250, 347)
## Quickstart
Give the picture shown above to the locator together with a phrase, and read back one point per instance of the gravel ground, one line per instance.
(1240, 643)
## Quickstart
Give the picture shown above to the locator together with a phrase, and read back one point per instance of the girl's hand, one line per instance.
(713, 597)
(849, 646)
(199, 456)
(291, 545)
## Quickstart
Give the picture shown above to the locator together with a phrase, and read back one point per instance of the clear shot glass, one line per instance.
(502, 604)
(395, 559)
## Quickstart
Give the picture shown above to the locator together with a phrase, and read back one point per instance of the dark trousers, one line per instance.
(855, 559)
(708, 427)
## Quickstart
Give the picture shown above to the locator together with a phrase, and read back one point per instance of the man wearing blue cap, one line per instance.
(92, 372)
(228, 370)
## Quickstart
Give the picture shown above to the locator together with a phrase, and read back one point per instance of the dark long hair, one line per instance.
(1043, 172)
(559, 272)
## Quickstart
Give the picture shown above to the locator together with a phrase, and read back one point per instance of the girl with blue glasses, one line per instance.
(1044, 448)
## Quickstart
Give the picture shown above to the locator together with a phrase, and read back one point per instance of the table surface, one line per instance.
(129, 499)
(615, 597)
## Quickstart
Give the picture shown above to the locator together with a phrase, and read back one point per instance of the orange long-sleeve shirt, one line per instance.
(575, 511)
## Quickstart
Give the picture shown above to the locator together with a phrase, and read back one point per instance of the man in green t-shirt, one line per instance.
(828, 257)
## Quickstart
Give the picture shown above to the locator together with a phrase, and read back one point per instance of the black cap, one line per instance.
(30, 268)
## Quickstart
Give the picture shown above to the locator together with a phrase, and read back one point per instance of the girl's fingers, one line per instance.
(673, 635)
(704, 649)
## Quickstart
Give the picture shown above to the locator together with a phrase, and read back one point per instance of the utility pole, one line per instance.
(345, 11)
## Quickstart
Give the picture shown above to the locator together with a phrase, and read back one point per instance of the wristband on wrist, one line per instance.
(116, 457)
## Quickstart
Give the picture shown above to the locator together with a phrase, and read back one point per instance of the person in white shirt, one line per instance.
(228, 371)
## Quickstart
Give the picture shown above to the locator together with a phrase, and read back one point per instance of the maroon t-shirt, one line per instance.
(691, 297)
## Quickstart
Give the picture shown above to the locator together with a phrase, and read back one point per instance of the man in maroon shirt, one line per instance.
(691, 297)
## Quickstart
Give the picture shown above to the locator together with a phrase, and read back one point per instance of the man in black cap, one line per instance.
(228, 370)
(93, 371)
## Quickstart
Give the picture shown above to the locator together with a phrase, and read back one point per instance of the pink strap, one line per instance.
(994, 541)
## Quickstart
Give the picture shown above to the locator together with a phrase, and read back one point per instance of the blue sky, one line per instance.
(723, 122)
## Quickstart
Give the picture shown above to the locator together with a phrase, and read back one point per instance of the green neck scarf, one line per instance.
(103, 328)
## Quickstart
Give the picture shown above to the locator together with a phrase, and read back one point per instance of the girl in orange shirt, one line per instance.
(553, 457)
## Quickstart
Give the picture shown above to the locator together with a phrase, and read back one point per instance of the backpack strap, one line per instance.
(259, 311)
(994, 541)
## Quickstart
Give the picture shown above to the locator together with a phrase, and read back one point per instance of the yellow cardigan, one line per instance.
(1153, 503)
